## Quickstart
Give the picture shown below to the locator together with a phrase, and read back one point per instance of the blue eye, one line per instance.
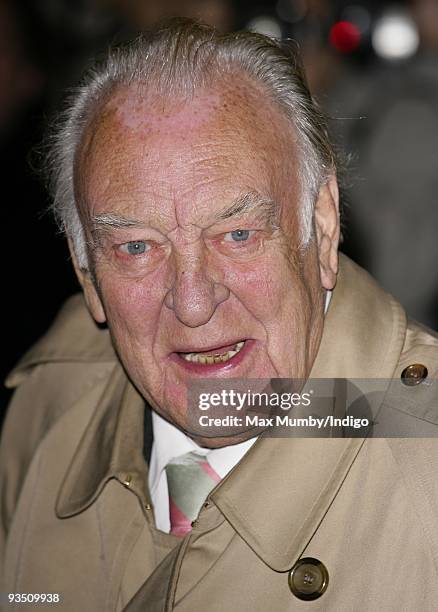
(238, 235)
(137, 247)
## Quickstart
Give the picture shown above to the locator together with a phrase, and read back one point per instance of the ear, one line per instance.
(327, 231)
(92, 299)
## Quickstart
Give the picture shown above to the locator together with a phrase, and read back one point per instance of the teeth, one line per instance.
(210, 359)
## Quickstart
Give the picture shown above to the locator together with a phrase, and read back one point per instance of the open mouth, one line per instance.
(219, 355)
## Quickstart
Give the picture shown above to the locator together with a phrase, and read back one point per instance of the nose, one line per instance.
(195, 296)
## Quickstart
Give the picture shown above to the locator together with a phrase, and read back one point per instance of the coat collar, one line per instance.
(111, 447)
(364, 329)
(363, 337)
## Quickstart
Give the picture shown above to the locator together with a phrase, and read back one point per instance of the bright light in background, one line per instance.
(395, 36)
(344, 36)
(265, 25)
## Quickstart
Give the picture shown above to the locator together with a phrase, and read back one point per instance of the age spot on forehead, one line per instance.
(236, 99)
(151, 114)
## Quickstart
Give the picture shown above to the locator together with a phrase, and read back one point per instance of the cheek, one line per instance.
(274, 293)
(262, 287)
(132, 307)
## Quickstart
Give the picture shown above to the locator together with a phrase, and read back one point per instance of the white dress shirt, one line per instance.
(170, 442)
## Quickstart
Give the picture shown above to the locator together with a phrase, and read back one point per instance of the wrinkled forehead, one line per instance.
(234, 124)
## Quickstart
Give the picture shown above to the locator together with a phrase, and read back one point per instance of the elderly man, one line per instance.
(197, 188)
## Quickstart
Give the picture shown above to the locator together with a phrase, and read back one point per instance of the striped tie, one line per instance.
(190, 479)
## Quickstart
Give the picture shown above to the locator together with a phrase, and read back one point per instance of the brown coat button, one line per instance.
(414, 374)
(308, 579)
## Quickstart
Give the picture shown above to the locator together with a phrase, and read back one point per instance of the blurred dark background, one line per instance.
(372, 65)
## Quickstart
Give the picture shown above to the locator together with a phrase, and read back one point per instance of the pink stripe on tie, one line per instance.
(210, 471)
(190, 478)
(180, 523)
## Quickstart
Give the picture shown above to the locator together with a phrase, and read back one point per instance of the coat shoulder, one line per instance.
(73, 337)
(421, 346)
(411, 401)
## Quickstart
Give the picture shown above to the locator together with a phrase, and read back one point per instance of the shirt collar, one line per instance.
(171, 442)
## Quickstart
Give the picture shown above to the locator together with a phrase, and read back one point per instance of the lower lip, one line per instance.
(214, 368)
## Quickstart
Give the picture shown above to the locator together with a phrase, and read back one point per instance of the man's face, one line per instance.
(194, 213)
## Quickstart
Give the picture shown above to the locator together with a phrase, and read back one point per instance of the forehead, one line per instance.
(141, 147)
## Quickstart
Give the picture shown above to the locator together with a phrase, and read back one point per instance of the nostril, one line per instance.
(168, 300)
(221, 293)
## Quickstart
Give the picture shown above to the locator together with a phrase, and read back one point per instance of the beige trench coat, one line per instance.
(77, 518)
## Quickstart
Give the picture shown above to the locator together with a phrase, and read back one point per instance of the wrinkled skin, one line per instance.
(173, 169)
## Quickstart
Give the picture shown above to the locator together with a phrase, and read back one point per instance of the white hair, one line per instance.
(176, 60)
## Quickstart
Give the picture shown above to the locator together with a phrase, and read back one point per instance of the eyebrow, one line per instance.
(249, 203)
(112, 221)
